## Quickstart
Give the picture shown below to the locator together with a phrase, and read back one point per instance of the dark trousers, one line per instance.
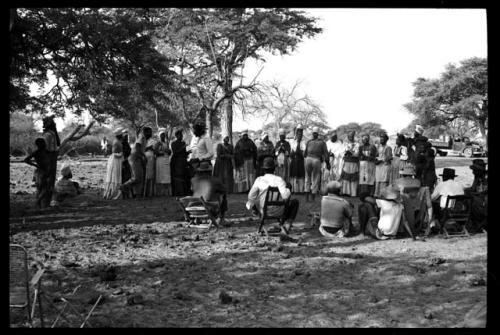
(366, 211)
(291, 210)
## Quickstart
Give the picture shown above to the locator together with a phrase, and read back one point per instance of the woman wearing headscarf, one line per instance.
(350, 168)
(367, 155)
(282, 153)
(223, 168)
(162, 152)
(52, 142)
(265, 149)
(245, 163)
(382, 165)
(148, 143)
(114, 168)
(297, 165)
(179, 166)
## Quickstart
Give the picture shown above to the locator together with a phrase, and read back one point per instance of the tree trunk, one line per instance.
(227, 119)
(482, 130)
(208, 121)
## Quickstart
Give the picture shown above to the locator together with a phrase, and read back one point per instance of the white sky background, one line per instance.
(361, 67)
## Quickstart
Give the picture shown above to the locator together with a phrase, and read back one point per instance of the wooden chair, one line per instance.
(273, 198)
(456, 217)
(21, 287)
(197, 212)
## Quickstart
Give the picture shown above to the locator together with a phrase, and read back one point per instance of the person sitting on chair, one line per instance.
(448, 187)
(211, 189)
(336, 212)
(479, 193)
(257, 195)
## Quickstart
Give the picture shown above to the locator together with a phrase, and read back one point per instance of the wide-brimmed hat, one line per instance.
(268, 163)
(478, 164)
(390, 193)
(447, 172)
(407, 170)
(419, 129)
(204, 167)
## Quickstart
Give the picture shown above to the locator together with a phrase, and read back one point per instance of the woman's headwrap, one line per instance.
(66, 171)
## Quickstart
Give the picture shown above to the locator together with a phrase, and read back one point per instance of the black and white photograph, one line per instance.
(248, 167)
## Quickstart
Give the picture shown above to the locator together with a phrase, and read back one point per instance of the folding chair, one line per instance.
(20, 285)
(457, 216)
(197, 212)
(273, 198)
(20, 296)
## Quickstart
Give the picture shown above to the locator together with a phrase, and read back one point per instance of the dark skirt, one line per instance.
(297, 167)
(223, 169)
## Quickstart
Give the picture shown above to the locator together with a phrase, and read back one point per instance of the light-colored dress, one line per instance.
(350, 169)
(114, 172)
(150, 173)
(163, 176)
(383, 170)
(399, 162)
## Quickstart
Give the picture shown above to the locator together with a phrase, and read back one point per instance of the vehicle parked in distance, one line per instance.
(461, 146)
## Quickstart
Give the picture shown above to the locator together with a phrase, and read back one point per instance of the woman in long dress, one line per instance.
(350, 168)
(134, 185)
(114, 169)
(223, 168)
(52, 143)
(148, 143)
(367, 155)
(297, 167)
(126, 173)
(178, 166)
(282, 152)
(163, 178)
(245, 161)
(382, 165)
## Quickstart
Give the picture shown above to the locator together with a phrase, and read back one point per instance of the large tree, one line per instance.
(279, 105)
(371, 128)
(99, 60)
(227, 37)
(459, 96)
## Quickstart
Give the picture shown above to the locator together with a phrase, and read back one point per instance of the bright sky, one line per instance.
(361, 67)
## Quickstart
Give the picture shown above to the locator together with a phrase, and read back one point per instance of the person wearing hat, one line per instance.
(282, 153)
(336, 212)
(382, 164)
(162, 155)
(315, 154)
(42, 164)
(479, 193)
(367, 155)
(52, 144)
(448, 187)
(211, 189)
(416, 201)
(350, 167)
(113, 179)
(265, 149)
(178, 165)
(223, 168)
(257, 195)
(65, 187)
(245, 163)
(297, 166)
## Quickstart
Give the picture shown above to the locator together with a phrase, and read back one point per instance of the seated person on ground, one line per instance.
(416, 201)
(65, 187)
(211, 189)
(257, 194)
(479, 193)
(390, 216)
(336, 212)
(448, 187)
(367, 211)
(41, 175)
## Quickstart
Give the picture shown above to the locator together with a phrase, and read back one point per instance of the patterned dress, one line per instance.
(367, 155)
(399, 162)
(350, 168)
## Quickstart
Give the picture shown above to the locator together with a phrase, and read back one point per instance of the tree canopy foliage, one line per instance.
(371, 128)
(459, 97)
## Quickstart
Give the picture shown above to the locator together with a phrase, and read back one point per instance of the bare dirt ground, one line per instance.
(168, 275)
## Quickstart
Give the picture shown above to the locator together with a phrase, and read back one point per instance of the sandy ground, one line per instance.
(168, 275)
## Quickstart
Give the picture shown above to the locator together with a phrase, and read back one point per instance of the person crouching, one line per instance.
(65, 187)
(336, 212)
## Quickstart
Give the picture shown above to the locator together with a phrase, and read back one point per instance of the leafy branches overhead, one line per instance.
(100, 60)
(459, 96)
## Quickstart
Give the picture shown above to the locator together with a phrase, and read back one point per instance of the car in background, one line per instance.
(461, 146)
